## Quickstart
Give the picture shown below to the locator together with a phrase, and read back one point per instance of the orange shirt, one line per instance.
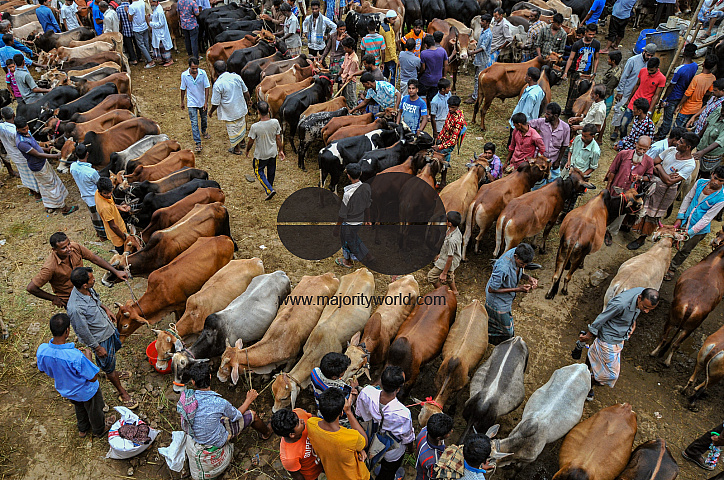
(299, 456)
(699, 86)
(108, 211)
(338, 451)
(417, 39)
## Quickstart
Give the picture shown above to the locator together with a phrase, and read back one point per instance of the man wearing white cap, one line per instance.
(629, 77)
(388, 34)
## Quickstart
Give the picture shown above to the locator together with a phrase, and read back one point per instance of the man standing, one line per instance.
(291, 31)
(642, 125)
(195, 88)
(317, 27)
(111, 24)
(8, 134)
(596, 112)
(594, 13)
(383, 93)
(392, 418)
(69, 15)
(46, 18)
(139, 23)
(584, 59)
(230, 96)
(530, 50)
(482, 54)
(51, 188)
(500, 33)
(650, 84)
(86, 177)
(703, 202)
(525, 143)
(110, 214)
(552, 38)
(8, 51)
(612, 77)
(434, 66)
(267, 135)
(64, 257)
(611, 329)
(699, 120)
(373, 44)
(96, 17)
(413, 110)
(353, 213)
(129, 43)
(188, 10)
(335, 49)
(75, 376)
(683, 74)
(160, 35)
(415, 34)
(409, 65)
(92, 322)
(711, 146)
(556, 135)
(501, 289)
(585, 152)
(619, 19)
(700, 86)
(626, 86)
(531, 98)
(388, 34)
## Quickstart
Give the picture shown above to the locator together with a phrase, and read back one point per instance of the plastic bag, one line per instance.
(120, 447)
(175, 454)
(656, 116)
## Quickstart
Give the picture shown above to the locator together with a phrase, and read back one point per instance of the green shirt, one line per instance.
(714, 133)
(584, 157)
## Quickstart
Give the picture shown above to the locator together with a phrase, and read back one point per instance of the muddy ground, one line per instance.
(38, 438)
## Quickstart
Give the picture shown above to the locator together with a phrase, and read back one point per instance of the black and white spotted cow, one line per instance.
(376, 161)
(310, 129)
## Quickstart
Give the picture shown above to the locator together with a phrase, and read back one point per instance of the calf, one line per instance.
(599, 447)
(458, 195)
(651, 461)
(710, 359)
(121, 80)
(84, 103)
(151, 156)
(167, 216)
(275, 97)
(464, 348)
(346, 121)
(422, 334)
(169, 287)
(216, 294)
(246, 319)
(530, 213)
(357, 130)
(287, 333)
(293, 75)
(111, 102)
(551, 412)
(175, 161)
(697, 293)
(497, 387)
(169, 182)
(583, 230)
(154, 201)
(376, 161)
(310, 129)
(296, 103)
(339, 321)
(493, 197)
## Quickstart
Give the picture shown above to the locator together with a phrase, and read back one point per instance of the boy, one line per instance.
(348, 72)
(296, 453)
(267, 130)
(329, 374)
(113, 224)
(476, 452)
(195, 89)
(413, 109)
(86, 177)
(453, 127)
(443, 271)
(290, 32)
(353, 212)
(438, 106)
(409, 65)
(373, 43)
(430, 443)
(415, 34)
(496, 165)
(368, 65)
(10, 80)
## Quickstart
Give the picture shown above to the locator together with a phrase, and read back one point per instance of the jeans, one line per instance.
(685, 250)
(143, 44)
(131, 49)
(478, 69)
(194, 113)
(89, 414)
(618, 110)
(446, 151)
(668, 118)
(625, 122)
(390, 71)
(191, 39)
(266, 180)
(681, 119)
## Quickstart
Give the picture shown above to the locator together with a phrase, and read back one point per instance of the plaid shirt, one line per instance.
(712, 105)
(187, 11)
(638, 128)
(548, 42)
(534, 32)
(383, 94)
(454, 124)
(125, 22)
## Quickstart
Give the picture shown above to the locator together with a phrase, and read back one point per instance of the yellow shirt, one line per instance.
(338, 451)
(108, 211)
(390, 46)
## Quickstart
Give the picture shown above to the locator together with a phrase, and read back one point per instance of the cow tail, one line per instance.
(134, 103)
(563, 258)
(499, 240)
(226, 229)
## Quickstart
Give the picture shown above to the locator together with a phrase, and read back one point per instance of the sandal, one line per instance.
(168, 64)
(341, 263)
(70, 210)
(83, 434)
(206, 135)
(669, 275)
(234, 152)
(198, 148)
(49, 210)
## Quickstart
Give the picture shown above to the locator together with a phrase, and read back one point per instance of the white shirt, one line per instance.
(68, 13)
(195, 88)
(159, 29)
(398, 420)
(658, 147)
(8, 134)
(110, 21)
(138, 10)
(596, 114)
(228, 94)
(291, 25)
(670, 164)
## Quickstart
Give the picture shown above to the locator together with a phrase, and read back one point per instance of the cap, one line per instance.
(391, 14)
(650, 48)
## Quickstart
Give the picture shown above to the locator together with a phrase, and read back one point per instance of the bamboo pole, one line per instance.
(694, 21)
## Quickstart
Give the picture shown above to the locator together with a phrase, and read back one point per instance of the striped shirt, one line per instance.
(122, 11)
(427, 455)
(373, 43)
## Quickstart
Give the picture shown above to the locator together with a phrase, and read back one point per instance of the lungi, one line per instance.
(162, 53)
(51, 188)
(605, 360)
(26, 175)
(708, 164)
(97, 221)
(236, 130)
(656, 206)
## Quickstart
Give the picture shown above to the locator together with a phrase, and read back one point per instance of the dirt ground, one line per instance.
(38, 438)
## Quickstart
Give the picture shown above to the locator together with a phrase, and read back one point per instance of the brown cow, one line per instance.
(223, 50)
(345, 121)
(275, 97)
(167, 216)
(464, 348)
(583, 229)
(458, 195)
(74, 132)
(423, 333)
(455, 42)
(121, 79)
(98, 58)
(417, 196)
(532, 212)
(113, 38)
(356, 130)
(328, 106)
(503, 80)
(175, 161)
(710, 359)
(583, 102)
(697, 293)
(651, 461)
(169, 287)
(493, 197)
(117, 101)
(599, 447)
(293, 75)
(156, 154)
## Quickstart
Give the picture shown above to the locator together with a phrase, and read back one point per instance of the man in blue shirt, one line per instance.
(595, 12)
(476, 453)
(413, 109)
(46, 18)
(86, 177)
(97, 16)
(619, 19)
(533, 95)
(9, 51)
(76, 378)
(676, 89)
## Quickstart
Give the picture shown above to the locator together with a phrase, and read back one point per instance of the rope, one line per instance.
(133, 296)
(425, 402)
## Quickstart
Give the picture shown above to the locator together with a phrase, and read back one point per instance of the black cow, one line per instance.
(296, 103)
(310, 129)
(49, 40)
(376, 161)
(579, 7)
(334, 157)
(139, 190)
(462, 10)
(84, 103)
(238, 60)
(433, 9)
(223, 24)
(357, 23)
(413, 12)
(66, 68)
(251, 73)
(153, 201)
(55, 98)
(95, 75)
(231, 35)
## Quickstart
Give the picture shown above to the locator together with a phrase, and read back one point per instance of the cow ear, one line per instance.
(178, 345)
(492, 431)
(355, 339)
(239, 344)
(235, 374)
(227, 343)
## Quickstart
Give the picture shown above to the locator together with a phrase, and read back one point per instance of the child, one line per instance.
(438, 106)
(373, 43)
(443, 271)
(415, 34)
(413, 109)
(268, 136)
(329, 374)
(349, 69)
(495, 163)
(476, 452)
(409, 65)
(297, 454)
(453, 127)
(430, 443)
(10, 80)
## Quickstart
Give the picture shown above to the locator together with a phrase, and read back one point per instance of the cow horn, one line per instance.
(228, 344)
(126, 314)
(118, 305)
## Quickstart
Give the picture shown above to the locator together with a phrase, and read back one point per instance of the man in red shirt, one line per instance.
(650, 84)
(296, 452)
(525, 143)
